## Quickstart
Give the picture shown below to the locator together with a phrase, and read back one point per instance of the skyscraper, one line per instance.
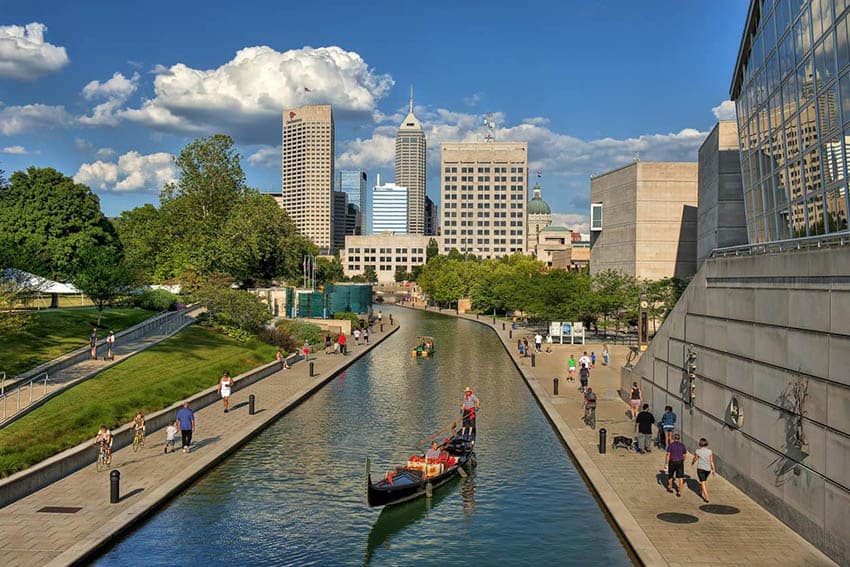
(353, 183)
(307, 171)
(389, 208)
(483, 209)
(410, 168)
(431, 220)
(339, 218)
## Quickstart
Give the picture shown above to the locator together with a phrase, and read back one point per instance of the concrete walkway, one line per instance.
(633, 487)
(23, 398)
(31, 536)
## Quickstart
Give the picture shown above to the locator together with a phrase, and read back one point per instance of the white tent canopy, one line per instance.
(25, 281)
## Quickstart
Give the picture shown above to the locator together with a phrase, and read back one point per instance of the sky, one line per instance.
(108, 92)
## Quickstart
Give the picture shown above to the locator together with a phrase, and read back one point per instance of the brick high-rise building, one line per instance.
(483, 197)
(307, 171)
(410, 168)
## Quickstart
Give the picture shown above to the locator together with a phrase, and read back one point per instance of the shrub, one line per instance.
(302, 331)
(234, 308)
(155, 300)
(347, 316)
(278, 336)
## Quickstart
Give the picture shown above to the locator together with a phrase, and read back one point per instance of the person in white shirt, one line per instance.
(170, 434)
(704, 460)
(538, 342)
(225, 384)
(356, 336)
(584, 360)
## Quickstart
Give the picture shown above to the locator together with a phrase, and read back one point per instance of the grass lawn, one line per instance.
(187, 363)
(53, 333)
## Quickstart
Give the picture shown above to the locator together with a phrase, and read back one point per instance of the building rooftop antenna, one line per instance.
(491, 128)
(411, 98)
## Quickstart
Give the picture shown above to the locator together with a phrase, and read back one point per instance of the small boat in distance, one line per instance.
(424, 347)
(420, 476)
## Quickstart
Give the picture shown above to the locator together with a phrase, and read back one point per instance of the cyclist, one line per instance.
(104, 441)
(589, 405)
(139, 427)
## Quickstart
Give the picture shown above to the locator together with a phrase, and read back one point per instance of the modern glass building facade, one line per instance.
(353, 183)
(389, 209)
(792, 95)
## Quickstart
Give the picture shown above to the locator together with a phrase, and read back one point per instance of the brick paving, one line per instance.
(751, 537)
(29, 537)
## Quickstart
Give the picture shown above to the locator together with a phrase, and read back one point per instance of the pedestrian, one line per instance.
(186, 421)
(538, 342)
(328, 344)
(305, 348)
(357, 336)
(225, 383)
(365, 336)
(93, 343)
(110, 346)
(635, 397)
(584, 377)
(584, 360)
(341, 342)
(521, 348)
(668, 424)
(278, 356)
(525, 346)
(571, 368)
(605, 354)
(704, 460)
(592, 359)
(170, 433)
(380, 316)
(675, 460)
(643, 428)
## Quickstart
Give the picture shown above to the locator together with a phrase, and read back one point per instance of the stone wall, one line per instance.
(761, 326)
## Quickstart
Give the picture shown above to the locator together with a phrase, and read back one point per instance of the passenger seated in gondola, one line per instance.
(433, 454)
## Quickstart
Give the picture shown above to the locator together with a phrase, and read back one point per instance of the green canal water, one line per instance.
(295, 495)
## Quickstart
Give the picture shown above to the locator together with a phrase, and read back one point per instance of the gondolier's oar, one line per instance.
(452, 425)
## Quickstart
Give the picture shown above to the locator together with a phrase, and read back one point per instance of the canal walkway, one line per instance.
(632, 486)
(67, 521)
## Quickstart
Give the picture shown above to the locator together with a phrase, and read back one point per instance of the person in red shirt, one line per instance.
(341, 341)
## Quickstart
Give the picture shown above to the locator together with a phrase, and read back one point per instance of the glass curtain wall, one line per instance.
(793, 114)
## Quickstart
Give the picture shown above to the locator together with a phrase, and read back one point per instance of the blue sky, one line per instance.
(108, 91)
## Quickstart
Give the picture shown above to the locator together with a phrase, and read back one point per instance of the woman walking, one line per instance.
(635, 397)
(704, 460)
(225, 384)
(605, 354)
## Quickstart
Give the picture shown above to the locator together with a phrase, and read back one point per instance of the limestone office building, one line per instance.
(767, 323)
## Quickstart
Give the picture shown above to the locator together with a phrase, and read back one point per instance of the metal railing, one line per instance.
(24, 391)
(805, 243)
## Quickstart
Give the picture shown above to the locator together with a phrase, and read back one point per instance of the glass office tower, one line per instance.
(792, 95)
(353, 183)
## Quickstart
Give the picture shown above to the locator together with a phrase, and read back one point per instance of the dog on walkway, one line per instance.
(623, 442)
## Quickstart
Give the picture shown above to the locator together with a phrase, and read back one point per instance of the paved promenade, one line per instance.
(633, 487)
(29, 536)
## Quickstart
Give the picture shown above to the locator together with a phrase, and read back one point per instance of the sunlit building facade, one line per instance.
(792, 95)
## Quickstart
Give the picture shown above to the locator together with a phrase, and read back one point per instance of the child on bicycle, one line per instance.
(104, 440)
(589, 403)
(139, 427)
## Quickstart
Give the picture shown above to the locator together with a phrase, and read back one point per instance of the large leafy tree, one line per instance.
(143, 234)
(46, 214)
(102, 276)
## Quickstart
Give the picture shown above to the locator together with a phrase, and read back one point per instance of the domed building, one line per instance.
(539, 217)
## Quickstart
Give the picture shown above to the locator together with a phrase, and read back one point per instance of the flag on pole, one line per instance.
(539, 173)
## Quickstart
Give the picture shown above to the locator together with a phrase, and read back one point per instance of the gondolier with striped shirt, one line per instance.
(468, 406)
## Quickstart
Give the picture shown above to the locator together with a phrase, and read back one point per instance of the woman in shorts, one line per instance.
(224, 386)
(635, 397)
(704, 460)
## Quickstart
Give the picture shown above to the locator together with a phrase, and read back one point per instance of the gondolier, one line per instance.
(468, 406)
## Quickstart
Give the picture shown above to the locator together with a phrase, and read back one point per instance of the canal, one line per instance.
(296, 494)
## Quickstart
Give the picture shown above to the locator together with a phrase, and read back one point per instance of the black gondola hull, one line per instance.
(385, 496)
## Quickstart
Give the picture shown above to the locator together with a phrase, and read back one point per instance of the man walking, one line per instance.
(93, 343)
(675, 460)
(341, 342)
(643, 428)
(186, 420)
(538, 342)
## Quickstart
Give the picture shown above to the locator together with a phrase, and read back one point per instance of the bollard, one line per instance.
(391, 320)
(503, 326)
(494, 322)
(532, 359)
(114, 487)
(311, 369)
(382, 327)
(555, 385)
(477, 317)
(510, 334)
(251, 400)
(603, 435)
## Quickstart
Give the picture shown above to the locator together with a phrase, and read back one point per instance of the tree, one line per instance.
(143, 235)
(234, 308)
(102, 276)
(432, 250)
(401, 275)
(53, 219)
(369, 274)
(329, 270)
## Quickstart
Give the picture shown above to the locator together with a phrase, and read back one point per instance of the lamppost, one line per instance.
(643, 318)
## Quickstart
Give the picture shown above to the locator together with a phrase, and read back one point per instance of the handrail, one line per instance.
(804, 243)
(28, 386)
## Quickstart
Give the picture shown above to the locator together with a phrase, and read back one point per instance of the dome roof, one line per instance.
(537, 206)
(556, 228)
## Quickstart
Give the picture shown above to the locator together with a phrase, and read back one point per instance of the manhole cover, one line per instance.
(60, 509)
(677, 518)
(719, 509)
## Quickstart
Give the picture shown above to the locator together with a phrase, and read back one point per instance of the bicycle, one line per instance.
(590, 417)
(104, 457)
(138, 439)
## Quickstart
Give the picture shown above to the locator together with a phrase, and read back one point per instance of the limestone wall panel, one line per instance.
(739, 375)
(771, 345)
(771, 306)
(739, 339)
(838, 407)
(839, 308)
(808, 309)
(740, 304)
(839, 359)
(808, 352)
(838, 458)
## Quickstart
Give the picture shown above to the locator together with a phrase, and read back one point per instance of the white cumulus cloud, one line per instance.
(18, 119)
(246, 95)
(725, 110)
(267, 156)
(573, 221)
(104, 153)
(25, 55)
(14, 150)
(132, 172)
(114, 92)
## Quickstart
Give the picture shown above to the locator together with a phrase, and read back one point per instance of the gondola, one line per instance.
(419, 478)
(424, 347)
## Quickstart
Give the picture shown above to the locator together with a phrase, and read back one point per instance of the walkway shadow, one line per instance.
(131, 493)
(693, 485)
(239, 405)
(205, 442)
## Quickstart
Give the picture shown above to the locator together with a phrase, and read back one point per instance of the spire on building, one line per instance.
(411, 98)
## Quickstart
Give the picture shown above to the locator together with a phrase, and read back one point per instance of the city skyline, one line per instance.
(114, 117)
